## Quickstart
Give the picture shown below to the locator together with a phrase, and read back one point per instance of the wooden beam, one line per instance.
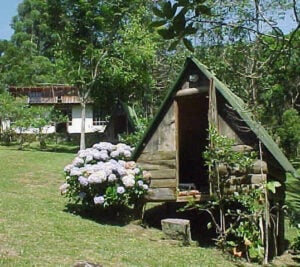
(161, 194)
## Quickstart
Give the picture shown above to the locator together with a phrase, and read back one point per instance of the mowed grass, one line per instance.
(36, 229)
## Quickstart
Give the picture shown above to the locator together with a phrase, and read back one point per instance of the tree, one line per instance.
(247, 37)
(98, 50)
(244, 45)
(88, 44)
(28, 58)
(179, 19)
(10, 109)
(289, 132)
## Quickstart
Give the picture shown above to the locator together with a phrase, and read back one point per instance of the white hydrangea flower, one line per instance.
(122, 146)
(77, 162)
(75, 171)
(145, 187)
(127, 153)
(146, 175)
(68, 168)
(121, 170)
(104, 146)
(104, 155)
(108, 168)
(97, 177)
(120, 190)
(83, 181)
(64, 188)
(82, 153)
(113, 161)
(97, 155)
(137, 170)
(99, 200)
(128, 180)
(130, 172)
(130, 165)
(112, 177)
(122, 163)
(115, 154)
(140, 183)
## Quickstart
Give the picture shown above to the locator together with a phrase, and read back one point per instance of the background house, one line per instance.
(63, 98)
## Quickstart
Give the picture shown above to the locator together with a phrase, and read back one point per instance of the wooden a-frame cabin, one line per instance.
(172, 146)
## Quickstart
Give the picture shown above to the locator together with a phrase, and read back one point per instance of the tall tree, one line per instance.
(106, 50)
(28, 58)
(244, 42)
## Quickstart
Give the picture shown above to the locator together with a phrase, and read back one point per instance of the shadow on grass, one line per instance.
(114, 216)
(198, 221)
(151, 218)
(72, 149)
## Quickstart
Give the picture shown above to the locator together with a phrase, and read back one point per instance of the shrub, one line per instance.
(103, 176)
(295, 245)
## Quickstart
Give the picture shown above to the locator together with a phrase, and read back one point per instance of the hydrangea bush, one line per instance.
(104, 176)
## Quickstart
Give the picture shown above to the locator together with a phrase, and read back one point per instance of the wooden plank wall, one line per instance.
(159, 157)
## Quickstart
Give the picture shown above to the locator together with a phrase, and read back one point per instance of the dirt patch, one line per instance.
(8, 253)
(288, 259)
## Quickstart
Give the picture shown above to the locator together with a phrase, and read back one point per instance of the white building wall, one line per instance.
(76, 121)
(74, 128)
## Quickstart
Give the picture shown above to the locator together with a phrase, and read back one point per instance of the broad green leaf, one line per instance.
(190, 30)
(168, 10)
(188, 44)
(272, 186)
(167, 34)
(183, 2)
(179, 21)
(157, 23)
(231, 243)
(173, 45)
(157, 12)
(202, 10)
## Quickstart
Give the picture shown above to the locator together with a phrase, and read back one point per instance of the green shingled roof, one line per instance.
(236, 103)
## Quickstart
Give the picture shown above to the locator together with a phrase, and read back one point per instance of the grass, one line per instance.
(36, 229)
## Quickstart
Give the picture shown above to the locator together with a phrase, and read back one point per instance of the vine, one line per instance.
(237, 211)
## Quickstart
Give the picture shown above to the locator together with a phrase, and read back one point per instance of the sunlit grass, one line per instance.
(35, 229)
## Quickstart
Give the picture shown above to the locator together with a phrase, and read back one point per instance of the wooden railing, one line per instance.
(53, 100)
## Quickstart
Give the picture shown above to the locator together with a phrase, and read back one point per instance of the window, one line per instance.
(35, 94)
(98, 117)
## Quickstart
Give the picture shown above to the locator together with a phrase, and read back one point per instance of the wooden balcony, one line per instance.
(53, 100)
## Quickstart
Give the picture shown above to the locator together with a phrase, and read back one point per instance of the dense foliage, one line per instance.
(246, 46)
(242, 217)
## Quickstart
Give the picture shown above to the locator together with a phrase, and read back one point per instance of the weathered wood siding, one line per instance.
(159, 157)
(225, 129)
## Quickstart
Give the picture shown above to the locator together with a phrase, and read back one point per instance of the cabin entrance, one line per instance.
(192, 133)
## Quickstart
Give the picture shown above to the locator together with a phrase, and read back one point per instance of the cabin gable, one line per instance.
(172, 147)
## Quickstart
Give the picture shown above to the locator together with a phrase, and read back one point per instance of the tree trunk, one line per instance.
(82, 132)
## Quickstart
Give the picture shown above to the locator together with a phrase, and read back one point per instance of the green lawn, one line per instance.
(35, 229)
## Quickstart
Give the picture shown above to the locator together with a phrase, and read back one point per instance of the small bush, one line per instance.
(102, 176)
(296, 243)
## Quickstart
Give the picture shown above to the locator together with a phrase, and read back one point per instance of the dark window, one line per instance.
(98, 117)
